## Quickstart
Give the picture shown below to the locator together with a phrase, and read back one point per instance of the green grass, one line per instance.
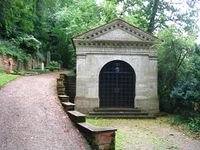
(5, 78)
(138, 133)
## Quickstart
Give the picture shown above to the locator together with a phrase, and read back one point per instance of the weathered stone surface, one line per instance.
(60, 82)
(63, 98)
(76, 116)
(99, 138)
(62, 75)
(68, 106)
(70, 87)
(61, 90)
(117, 40)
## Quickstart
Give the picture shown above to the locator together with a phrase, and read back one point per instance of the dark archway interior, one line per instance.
(117, 85)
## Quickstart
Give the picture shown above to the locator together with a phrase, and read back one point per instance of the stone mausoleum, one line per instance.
(116, 68)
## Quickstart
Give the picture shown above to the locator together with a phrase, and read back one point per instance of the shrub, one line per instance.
(29, 43)
(37, 67)
(53, 65)
(194, 124)
(9, 48)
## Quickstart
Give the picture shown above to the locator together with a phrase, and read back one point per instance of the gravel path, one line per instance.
(31, 117)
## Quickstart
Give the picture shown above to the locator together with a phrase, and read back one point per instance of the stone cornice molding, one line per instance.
(104, 44)
(116, 24)
(117, 51)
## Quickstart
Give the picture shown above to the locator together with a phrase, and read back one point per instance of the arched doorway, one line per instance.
(117, 85)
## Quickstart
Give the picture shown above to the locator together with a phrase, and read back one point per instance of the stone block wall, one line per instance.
(70, 87)
(4, 62)
(31, 64)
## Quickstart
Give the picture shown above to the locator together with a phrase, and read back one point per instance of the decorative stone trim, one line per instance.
(116, 24)
(115, 51)
(107, 44)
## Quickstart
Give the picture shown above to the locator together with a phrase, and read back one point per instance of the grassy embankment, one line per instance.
(5, 78)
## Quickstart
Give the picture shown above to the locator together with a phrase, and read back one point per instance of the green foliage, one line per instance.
(11, 49)
(53, 65)
(37, 67)
(134, 133)
(179, 74)
(55, 22)
(30, 43)
(5, 78)
(192, 123)
(40, 56)
(185, 94)
(187, 91)
(173, 51)
(15, 17)
(1, 71)
(69, 21)
(108, 11)
(153, 15)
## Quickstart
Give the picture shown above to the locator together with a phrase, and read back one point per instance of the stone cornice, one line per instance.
(116, 51)
(104, 44)
(116, 24)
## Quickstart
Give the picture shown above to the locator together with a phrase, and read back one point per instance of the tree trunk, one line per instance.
(151, 25)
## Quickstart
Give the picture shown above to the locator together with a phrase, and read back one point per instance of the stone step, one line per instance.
(76, 116)
(63, 98)
(123, 116)
(98, 137)
(118, 113)
(117, 110)
(68, 106)
(62, 75)
(61, 90)
(60, 82)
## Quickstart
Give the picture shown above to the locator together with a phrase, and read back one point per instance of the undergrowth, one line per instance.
(9, 48)
(191, 123)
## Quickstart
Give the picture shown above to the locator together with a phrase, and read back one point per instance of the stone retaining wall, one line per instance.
(5, 61)
(70, 87)
(99, 138)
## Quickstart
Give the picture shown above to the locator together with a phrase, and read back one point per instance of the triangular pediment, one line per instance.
(117, 35)
(118, 30)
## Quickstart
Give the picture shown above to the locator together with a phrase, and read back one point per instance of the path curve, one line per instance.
(31, 117)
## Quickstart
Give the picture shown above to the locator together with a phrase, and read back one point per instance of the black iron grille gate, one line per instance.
(117, 85)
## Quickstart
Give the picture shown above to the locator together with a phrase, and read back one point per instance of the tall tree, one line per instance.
(173, 52)
(154, 9)
(154, 15)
